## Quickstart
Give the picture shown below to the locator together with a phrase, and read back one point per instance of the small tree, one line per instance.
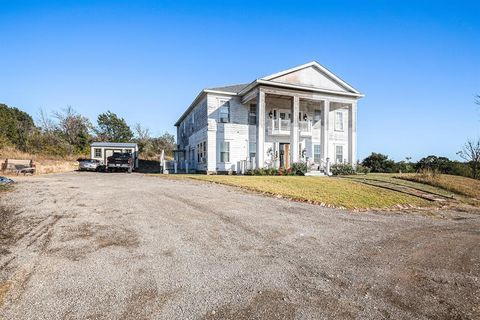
(112, 128)
(378, 162)
(74, 128)
(471, 154)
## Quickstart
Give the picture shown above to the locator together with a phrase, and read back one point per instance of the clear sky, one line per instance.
(417, 62)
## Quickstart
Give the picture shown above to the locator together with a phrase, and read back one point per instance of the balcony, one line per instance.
(281, 127)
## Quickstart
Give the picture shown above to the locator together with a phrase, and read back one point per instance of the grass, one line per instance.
(398, 179)
(460, 185)
(335, 192)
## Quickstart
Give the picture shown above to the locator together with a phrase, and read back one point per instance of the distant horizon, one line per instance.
(416, 62)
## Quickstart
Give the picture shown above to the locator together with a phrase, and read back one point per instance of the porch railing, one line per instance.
(282, 127)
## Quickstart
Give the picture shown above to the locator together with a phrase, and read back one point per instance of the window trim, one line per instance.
(336, 153)
(222, 151)
(337, 123)
(319, 152)
(253, 106)
(224, 104)
(95, 152)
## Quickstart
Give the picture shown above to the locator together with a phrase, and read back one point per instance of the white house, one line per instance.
(301, 114)
(102, 150)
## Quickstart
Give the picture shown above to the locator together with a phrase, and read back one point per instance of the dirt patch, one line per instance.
(88, 237)
(266, 304)
(8, 222)
(4, 288)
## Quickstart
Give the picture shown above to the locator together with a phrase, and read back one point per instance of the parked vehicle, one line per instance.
(120, 161)
(89, 165)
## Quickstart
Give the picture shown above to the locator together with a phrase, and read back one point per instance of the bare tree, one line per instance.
(45, 122)
(471, 154)
(74, 127)
(141, 134)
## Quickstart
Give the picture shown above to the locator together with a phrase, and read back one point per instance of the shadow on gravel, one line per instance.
(7, 227)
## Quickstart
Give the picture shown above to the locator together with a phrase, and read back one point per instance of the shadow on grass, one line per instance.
(148, 166)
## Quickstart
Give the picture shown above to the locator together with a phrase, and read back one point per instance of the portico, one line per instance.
(305, 122)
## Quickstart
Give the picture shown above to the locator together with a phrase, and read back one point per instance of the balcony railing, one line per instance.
(282, 127)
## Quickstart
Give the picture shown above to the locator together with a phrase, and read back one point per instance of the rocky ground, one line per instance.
(133, 246)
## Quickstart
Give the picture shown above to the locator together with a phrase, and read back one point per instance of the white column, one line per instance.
(260, 128)
(325, 128)
(294, 133)
(352, 134)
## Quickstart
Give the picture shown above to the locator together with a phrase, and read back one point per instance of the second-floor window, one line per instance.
(317, 116)
(252, 114)
(224, 112)
(339, 121)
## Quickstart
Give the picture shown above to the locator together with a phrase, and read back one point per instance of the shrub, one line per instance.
(342, 169)
(299, 168)
(361, 169)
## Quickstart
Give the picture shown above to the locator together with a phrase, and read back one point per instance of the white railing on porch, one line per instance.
(282, 126)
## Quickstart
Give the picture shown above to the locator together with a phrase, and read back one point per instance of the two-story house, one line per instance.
(301, 114)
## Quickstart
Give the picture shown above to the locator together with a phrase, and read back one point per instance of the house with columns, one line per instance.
(305, 114)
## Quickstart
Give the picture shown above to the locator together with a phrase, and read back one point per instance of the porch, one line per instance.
(313, 125)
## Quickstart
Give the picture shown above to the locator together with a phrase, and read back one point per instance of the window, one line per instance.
(224, 151)
(252, 114)
(317, 116)
(339, 121)
(225, 112)
(339, 154)
(252, 149)
(201, 152)
(316, 153)
(97, 152)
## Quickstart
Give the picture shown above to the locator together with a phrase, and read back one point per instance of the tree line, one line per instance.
(68, 133)
(377, 162)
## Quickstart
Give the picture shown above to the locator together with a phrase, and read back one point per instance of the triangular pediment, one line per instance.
(311, 75)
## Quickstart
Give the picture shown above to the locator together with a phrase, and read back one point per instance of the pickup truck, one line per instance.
(120, 161)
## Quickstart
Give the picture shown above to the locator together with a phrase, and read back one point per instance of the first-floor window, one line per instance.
(316, 153)
(252, 149)
(339, 154)
(225, 151)
(201, 151)
(98, 153)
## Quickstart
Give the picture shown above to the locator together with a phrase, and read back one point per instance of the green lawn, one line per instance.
(336, 192)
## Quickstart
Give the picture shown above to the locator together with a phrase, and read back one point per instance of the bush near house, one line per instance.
(297, 169)
(342, 169)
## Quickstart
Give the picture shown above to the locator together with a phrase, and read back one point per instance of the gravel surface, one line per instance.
(131, 246)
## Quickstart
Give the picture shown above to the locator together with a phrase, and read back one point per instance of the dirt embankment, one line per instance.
(44, 164)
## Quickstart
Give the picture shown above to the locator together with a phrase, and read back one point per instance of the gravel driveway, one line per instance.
(120, 246)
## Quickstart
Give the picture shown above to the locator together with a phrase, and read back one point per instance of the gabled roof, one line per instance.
(271, 80)
(340, 87)
(318, 66)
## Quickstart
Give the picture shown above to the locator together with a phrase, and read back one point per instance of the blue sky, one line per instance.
(418, 62)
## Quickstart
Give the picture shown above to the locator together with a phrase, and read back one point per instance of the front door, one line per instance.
(284, 155)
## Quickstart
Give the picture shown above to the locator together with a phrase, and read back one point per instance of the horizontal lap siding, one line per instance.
(236, 132)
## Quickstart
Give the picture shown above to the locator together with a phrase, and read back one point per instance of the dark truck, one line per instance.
(120, 161)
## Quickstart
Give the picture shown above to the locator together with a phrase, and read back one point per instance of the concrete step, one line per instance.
(315, 173)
